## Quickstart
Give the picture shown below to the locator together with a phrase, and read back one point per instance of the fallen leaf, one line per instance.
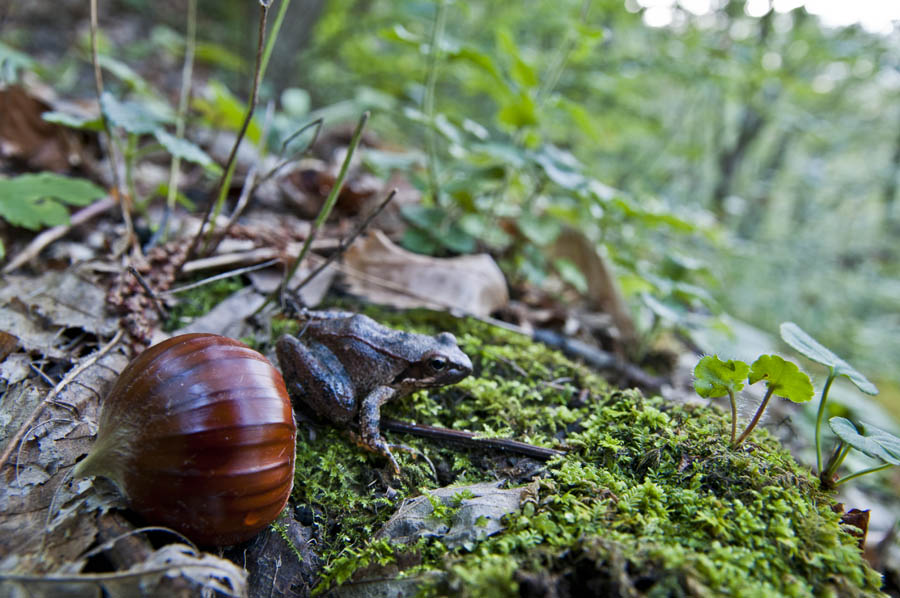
(602, 289)
(477, 511)
(26, 136)
(384, 273)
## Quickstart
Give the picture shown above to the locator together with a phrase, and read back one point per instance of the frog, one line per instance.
(344, 366)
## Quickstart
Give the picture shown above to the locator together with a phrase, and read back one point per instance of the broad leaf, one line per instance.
(36, 200)
(811, 348)
(783, 377)
(134, 117)
(877, 444)
(184, 149)
(714, 377)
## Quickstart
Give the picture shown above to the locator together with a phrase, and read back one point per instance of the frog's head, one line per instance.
(440, 363)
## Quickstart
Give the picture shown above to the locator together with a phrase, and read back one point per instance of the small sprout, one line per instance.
(811, 348)
(782, 378)
(715, 378)
(877, 444)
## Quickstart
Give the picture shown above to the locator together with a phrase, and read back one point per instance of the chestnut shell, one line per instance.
(198, 433)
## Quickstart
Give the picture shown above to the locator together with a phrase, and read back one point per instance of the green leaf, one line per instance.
(131, 116)
(714, 377)
(784, 377)
(124, 73)
(811, 348)
(84, 123)
(36, 200)
(185, 150)
(877, 444)
(519, 111)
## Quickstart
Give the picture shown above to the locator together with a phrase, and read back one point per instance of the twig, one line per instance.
(160, 311)
(599, 359)
(228, 274)
(273, 35)
(470, 439)
(225, 180)
(73, 373)
(247, 190)
(113, 154)
(184, 97)
(330, 201)
(57, 232)
(342, 248)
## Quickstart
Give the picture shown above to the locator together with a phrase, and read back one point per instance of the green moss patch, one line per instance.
(649, 501)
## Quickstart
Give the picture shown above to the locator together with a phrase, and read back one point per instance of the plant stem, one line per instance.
(755, 420)
(837, 457)
(273, 36)
(120, 196)
(863, 472)
(437, 34)
(323, 213)
(733, 415)
(184, 96)
(225, 181)
(821, 415)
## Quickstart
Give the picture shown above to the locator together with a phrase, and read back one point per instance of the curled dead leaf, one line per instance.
(382, 272)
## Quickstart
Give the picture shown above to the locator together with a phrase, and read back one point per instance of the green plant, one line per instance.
(809, 347)
(34, 201)
(877, 444)
(717, 378)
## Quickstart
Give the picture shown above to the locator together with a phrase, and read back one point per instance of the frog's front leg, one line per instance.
(370, 423)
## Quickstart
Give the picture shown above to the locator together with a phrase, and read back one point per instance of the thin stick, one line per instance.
(273, 35)
(187, 71)
(470, 439)
(228, 274)
(247, 190)
(330, 201)
(342, 248)
(113, 154)
(225, 180)
(73, 373)
(157, 304)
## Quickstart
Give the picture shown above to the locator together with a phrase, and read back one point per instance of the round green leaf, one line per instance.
(877, 444)
(811, 348)
(784, 377)
(714, 377)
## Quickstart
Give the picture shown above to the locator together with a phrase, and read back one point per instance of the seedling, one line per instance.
(812, 349)
(876, 443)
(717, 378)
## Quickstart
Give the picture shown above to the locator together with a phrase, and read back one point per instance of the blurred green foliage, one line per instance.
(762, 152)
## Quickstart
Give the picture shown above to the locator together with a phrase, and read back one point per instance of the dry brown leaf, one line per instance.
(603, 290)
(384, 273)
(26, 136)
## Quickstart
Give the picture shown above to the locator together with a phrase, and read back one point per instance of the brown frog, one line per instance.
(344, 366)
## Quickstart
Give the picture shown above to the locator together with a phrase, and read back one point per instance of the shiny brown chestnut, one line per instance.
(198, 434)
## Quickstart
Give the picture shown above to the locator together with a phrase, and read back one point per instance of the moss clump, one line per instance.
(649, 501)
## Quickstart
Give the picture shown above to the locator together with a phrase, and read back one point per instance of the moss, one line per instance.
(649, 501)
(197, 302)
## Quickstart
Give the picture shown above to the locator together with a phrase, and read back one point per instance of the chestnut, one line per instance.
(198, 434)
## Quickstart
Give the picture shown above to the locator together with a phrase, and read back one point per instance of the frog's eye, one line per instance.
(437, 363)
